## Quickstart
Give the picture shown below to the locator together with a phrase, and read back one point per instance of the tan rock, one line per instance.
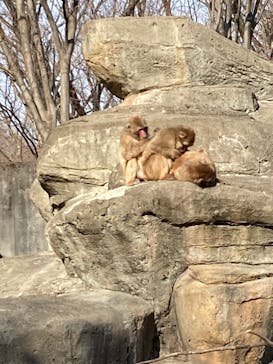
(215, 313)
(156, 52)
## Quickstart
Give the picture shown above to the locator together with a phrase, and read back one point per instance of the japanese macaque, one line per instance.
(195, 166)
(167, 145)
(133, 140)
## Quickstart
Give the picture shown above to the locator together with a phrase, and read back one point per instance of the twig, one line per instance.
(264, 338)
(222, 348)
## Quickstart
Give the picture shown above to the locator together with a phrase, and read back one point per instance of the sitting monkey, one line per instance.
(133, 140)
(167, 145)
(195, 166)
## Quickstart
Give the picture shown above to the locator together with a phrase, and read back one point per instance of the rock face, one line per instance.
(168, 51)
(51, 318)
(202, 258)
(21, 226)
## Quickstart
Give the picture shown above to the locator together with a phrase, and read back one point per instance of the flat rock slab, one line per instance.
(80, 156)
(156, 52)
(41, 274)
(92, 327)
(49, 317)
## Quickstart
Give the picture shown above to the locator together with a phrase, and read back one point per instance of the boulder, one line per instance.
(141, 239)
(217, 304)
(156, 52)
(51, 318)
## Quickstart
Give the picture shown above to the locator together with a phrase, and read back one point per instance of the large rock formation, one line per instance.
(201, 259)
(51, 318)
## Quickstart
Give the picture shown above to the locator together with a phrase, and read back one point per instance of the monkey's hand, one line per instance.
(174, 153)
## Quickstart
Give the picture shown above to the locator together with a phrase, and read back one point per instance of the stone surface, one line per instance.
(80, 155)
(217, 304)
(214, 100)
(140, 239)
(21, 226)
(47, 317)
(34, 275)
(101, 328)
(156, 52)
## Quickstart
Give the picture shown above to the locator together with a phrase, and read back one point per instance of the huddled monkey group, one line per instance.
(164, 155)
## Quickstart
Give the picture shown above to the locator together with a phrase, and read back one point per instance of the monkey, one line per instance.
(133, 139)
(166, 145)
(195, 166)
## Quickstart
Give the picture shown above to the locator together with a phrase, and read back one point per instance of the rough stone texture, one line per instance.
(156, 52)
(80, 155)
(136, 242)
(47, 317)
(237, 296)
(214, 100)
(21, 226)
(203, 256)
(35, 275)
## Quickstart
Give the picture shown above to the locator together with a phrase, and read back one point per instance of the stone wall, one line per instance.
(21, 225)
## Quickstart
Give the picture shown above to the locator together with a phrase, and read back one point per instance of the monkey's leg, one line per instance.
(131, 172)
(144, 157)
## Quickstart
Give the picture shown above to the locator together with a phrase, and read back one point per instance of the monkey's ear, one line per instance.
(128, 126)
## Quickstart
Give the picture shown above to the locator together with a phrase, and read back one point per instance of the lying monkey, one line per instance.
(167, 144)
(195, 166)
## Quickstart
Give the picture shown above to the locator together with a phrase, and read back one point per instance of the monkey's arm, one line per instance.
(133, 148)
(164, 143)
(168, 152)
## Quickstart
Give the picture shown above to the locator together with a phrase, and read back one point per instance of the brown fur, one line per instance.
(133, 139)
(167, 144)
(196, 167)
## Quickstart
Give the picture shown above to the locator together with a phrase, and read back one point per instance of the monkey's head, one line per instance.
(184, 138)
(138, 127)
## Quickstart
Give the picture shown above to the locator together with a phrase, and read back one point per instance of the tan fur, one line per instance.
(196, 167)
(131, 146)
(167, 144)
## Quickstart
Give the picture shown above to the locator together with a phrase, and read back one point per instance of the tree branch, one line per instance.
(186, 353)
(25, 42)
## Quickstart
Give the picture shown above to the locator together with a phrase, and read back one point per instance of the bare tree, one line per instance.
(43, 77)
(167, 7)
(41, 66)
(27, 64)
(237, 19)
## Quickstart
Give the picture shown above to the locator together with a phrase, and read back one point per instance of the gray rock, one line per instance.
(47, 317)
(140, 239)
(21, 226)
(79, 328)
(81, 155)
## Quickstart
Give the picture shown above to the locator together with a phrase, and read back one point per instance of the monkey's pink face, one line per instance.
(143, 133)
